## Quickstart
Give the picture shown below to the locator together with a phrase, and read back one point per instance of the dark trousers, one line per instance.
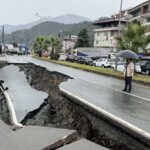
(128, 84)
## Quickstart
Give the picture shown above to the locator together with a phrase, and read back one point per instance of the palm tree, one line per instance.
(54, 42)
(40, 44)
(133, 38)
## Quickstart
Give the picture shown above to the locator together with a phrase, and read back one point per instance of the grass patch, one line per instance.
(144, 79)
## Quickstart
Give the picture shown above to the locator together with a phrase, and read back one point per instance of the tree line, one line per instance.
(42, 43)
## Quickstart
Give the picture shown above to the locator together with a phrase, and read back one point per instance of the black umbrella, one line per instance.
(128, 54)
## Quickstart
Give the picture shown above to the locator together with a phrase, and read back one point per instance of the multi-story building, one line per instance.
(106, 31)
(141, 13)
(68, 43)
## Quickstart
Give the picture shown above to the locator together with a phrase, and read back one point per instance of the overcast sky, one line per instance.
(23, 11)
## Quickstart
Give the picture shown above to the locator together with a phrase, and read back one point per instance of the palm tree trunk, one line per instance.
(52, 53)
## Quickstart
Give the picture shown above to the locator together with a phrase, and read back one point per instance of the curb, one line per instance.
(12, 112)
(127, 127)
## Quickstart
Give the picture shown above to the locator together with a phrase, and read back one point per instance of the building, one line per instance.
(106, 31)
(141, 13)
(92, 52)
(68, 43)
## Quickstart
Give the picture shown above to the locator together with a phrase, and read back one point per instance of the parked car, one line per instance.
(45, 54)
(138, 67)
(62, 57)
(120, 66)
(104, 62)
(85, 60)
(11, 51)
(71, 58)
(145, 66)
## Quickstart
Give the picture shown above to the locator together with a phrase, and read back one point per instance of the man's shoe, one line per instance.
(124, 90)
(129, 91)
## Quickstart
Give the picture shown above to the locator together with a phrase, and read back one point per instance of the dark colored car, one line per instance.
(11, 52)
(85, 60)
(145, 66)
(71, 58)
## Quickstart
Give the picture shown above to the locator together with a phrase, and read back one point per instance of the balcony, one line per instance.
(106, 29)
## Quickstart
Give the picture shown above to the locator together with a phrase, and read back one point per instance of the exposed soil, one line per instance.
(59, 111)
(4, 112)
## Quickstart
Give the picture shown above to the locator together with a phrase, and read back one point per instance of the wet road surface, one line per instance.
(24, 97)
(105, 92)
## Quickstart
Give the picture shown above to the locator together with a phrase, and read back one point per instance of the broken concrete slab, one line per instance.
(23, 96)
(82, 144)
(4, 129)
(37, 138)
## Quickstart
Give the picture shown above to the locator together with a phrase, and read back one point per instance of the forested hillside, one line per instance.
(49, 29)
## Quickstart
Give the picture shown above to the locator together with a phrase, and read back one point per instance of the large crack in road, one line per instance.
(59, 111)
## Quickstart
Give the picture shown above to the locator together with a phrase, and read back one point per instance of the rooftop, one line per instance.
(138, 6)
(108, 21)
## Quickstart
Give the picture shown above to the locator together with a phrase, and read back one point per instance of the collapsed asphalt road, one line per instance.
(55, 110)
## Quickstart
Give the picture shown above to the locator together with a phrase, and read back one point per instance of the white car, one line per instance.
(62, 57)
(120, 66)
(138, 67)
(103, 62)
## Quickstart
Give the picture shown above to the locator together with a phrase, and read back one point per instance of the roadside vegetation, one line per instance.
(133, 38)
(42, 44)
(49, 29)
(103, 71)
(83, 39)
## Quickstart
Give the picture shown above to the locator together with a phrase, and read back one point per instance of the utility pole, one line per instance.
(119, 29)
(41, 17)
(3, 35)
(37, 14)
(120, 15)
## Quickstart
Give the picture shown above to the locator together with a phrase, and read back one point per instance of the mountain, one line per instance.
(65, 19)
(48, 29)
(69, 19)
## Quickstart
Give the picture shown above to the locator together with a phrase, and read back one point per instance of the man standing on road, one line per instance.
(129, 71)
(1, 49)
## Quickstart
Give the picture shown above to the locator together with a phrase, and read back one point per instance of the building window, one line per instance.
(145, 9)
(112, 33)
(97, 33)
(148, 19)
(97, 42)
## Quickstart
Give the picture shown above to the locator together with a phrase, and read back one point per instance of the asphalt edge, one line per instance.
(127, 127)
(12, 112)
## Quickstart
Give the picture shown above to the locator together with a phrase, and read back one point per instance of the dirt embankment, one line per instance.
(58, 111)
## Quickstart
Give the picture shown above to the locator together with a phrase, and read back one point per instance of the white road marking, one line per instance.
(140, 133)
(122, 91)
(87, 81)
(133, 95)
(141, 85)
